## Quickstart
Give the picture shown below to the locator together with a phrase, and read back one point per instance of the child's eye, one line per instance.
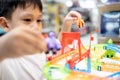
(39, 21)
(27, 20)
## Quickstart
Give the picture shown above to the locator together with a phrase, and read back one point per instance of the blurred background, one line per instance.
(55, 11)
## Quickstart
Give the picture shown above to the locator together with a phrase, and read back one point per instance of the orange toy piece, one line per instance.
(80, 22)
(84, 76)
(72, 40)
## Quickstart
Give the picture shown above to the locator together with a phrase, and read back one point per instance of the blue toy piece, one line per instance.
(53, 43)
(67, 66)
(116, 75)
(113, 47)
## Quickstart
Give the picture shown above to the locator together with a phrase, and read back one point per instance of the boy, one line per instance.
(26, 14)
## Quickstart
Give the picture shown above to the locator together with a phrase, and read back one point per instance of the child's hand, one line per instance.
(72, 17)
(21, 41)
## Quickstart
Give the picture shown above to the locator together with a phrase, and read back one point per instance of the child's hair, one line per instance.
(7, 7)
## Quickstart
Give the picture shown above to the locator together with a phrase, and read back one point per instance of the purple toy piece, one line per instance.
(53, 43)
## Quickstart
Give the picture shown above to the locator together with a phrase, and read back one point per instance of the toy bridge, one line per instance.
(73, 50)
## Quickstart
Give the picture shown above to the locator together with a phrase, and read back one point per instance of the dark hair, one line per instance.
(7, 7)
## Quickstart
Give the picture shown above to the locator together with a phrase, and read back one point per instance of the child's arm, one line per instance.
(70, 18)
(21, 41)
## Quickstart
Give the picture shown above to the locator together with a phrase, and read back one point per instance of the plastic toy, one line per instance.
(57, 72)
(113, 47)
(110, 53)
(73, 52)
(80, 23)
(53, 43)
(117, 75)
(105, 50)
(105, 58)
(72, 49)
(75, 42)
(113, 63)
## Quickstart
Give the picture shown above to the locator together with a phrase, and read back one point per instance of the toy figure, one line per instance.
(110, 53)
(53, 43)
(80, 23)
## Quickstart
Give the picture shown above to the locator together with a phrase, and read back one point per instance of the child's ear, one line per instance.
(3, 24)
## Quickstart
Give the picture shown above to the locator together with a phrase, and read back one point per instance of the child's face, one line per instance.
(28, 17)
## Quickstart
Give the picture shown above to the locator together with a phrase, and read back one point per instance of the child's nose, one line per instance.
(35, 26)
